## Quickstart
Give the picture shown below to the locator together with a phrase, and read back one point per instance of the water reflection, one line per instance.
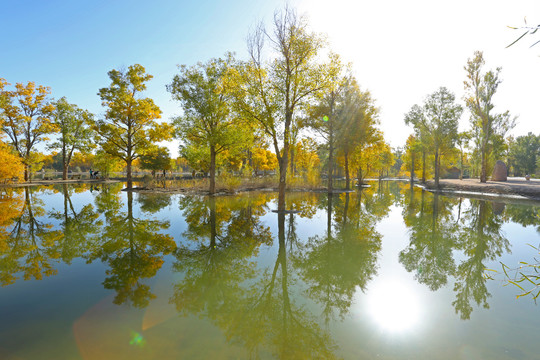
(481, 240)
(77, 227)
(438, 232)
(221, 281)
(133, 249)
(344, 259)
(433, 237)
(30, 247)
(254, 277)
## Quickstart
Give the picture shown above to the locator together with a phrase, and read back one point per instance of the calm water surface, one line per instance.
(386, 273)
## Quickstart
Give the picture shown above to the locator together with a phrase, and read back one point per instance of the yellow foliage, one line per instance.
(264, 159)
(306, 155)
(10, 164)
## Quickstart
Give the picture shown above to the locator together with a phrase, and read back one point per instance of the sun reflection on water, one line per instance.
(394, 306)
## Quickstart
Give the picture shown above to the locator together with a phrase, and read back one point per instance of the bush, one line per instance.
(147, 180)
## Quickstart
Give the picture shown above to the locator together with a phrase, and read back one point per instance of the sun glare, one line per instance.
(394, 307)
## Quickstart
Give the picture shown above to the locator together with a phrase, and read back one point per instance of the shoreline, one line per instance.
(58, 182)
(513, 188)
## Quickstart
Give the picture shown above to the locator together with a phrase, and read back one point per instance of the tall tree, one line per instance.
(357, 116)
(270, 92)
(412, 150)
(488, 126)
(436, 122)
(207, 121)
(75, 131)
(462, 142)
(442, 117)
(27, 119)
(322, 116)
(415, 117)
(129, 127)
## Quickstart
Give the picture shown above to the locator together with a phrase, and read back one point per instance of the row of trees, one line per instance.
(436, 134)
(231, 110)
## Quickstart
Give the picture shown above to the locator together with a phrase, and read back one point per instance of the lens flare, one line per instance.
(137, 339)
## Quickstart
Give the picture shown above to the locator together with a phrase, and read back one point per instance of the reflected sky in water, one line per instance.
(388, 272)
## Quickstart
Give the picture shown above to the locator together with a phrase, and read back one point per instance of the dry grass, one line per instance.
(228, 183)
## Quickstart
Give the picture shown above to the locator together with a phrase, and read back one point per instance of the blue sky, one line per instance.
(401, 50)
(71, 45)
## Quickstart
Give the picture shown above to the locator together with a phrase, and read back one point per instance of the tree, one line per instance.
(357, 116)
(75, 132)
(322, 116)
(524, 152)
(415, 117)
(106, 163)
(156, 159)
(436, 122)
(263, 160)
(306, 155)
(488, 127)
(129, 127)
(270, 93)
(207, 121)
(442, 116)
(26, 114)
(410, 157)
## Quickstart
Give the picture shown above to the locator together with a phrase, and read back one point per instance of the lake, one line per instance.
(388, 272)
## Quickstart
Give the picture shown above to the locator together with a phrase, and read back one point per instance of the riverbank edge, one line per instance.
(58, 182)
(517, 190)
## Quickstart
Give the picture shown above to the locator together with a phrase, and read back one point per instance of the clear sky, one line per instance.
(401, 50)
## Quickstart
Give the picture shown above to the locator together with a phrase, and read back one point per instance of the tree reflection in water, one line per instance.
(78, 228)
(252, 306)
(29, 247)
(433, 238)
(436, 231)
(481, 240)
(133, 249)
(335, 265)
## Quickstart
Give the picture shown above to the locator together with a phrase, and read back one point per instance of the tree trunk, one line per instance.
(26, 173)
(461, 165)
(436, 168)
(347, 177)
(423, 166)
(292, 161)
(412, 167)
(64, 164)
(483, 171)
(212, 170)
(65, 171)
(330, 164)
(128, 174)
(282, 178)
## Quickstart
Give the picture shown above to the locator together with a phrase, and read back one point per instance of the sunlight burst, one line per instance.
(394, 306)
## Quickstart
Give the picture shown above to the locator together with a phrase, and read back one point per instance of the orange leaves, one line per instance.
(27, 116)
(264, 159)
(10, 164)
